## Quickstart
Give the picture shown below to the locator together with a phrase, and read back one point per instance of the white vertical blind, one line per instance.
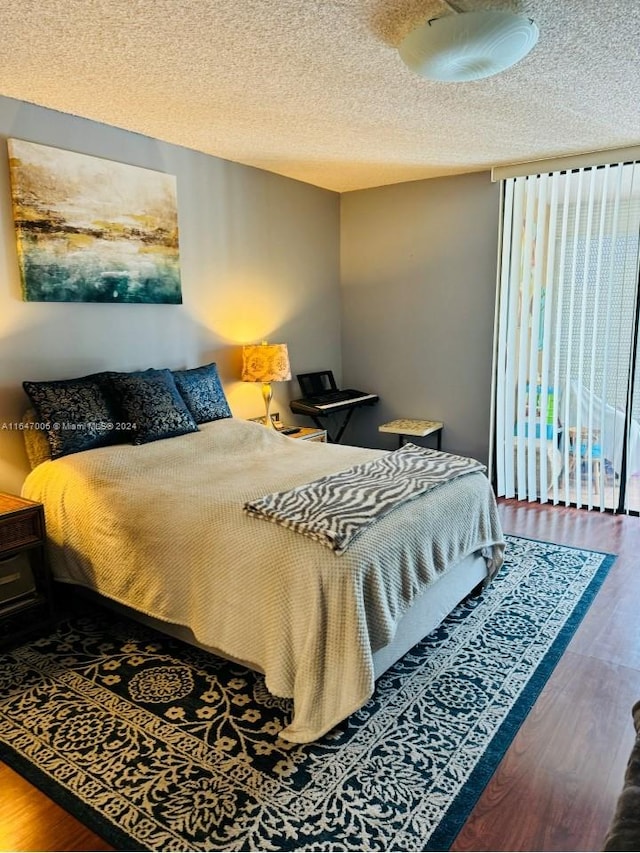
(566, 329)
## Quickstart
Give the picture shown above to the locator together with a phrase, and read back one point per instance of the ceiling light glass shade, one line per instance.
(469, 45)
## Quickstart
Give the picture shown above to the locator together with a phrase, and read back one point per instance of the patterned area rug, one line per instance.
(158, 746)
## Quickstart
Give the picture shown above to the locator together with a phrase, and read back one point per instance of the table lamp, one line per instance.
(265, 363)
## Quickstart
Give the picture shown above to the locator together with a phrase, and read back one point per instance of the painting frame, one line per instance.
(89, 229)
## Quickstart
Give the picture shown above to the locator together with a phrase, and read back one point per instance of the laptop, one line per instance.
(319, 390)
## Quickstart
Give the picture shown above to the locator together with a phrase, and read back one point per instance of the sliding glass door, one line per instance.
(567, 401)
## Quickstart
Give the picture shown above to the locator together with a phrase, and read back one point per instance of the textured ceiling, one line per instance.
(316, 90)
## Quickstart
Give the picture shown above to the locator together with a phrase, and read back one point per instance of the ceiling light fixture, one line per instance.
(468, 45)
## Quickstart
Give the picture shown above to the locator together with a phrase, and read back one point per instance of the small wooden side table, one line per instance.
(405, 427)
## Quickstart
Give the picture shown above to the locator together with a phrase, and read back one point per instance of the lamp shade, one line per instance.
(468, 45)
(265, 363)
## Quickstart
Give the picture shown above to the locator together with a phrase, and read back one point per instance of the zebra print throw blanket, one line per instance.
(335, 509)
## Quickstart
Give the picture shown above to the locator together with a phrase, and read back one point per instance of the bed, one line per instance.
(159, 528)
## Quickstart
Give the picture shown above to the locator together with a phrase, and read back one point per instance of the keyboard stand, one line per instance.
(341, 428)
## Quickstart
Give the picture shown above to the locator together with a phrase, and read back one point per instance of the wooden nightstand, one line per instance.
(26, 596)
(310, 434)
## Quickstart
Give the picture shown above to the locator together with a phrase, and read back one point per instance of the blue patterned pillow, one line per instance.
(202, 392)
(151, 403)
(76, 414)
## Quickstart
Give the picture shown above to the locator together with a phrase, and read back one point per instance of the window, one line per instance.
(567, 392)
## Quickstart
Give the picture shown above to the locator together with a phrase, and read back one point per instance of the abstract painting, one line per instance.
(93, 230)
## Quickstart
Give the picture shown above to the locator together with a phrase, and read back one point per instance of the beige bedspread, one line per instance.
(161, 528)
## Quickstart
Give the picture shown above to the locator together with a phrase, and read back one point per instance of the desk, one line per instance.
(405, 427)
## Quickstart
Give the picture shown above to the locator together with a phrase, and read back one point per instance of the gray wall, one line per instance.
(392, 288)
(418, 275)
(259, 259)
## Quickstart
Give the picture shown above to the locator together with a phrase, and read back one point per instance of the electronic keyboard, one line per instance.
(314, 406)
(322, 398)
(349, 397)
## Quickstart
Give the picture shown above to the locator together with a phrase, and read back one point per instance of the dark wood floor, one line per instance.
(556, 787)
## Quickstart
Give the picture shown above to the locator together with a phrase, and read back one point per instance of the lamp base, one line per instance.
(267, 394)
